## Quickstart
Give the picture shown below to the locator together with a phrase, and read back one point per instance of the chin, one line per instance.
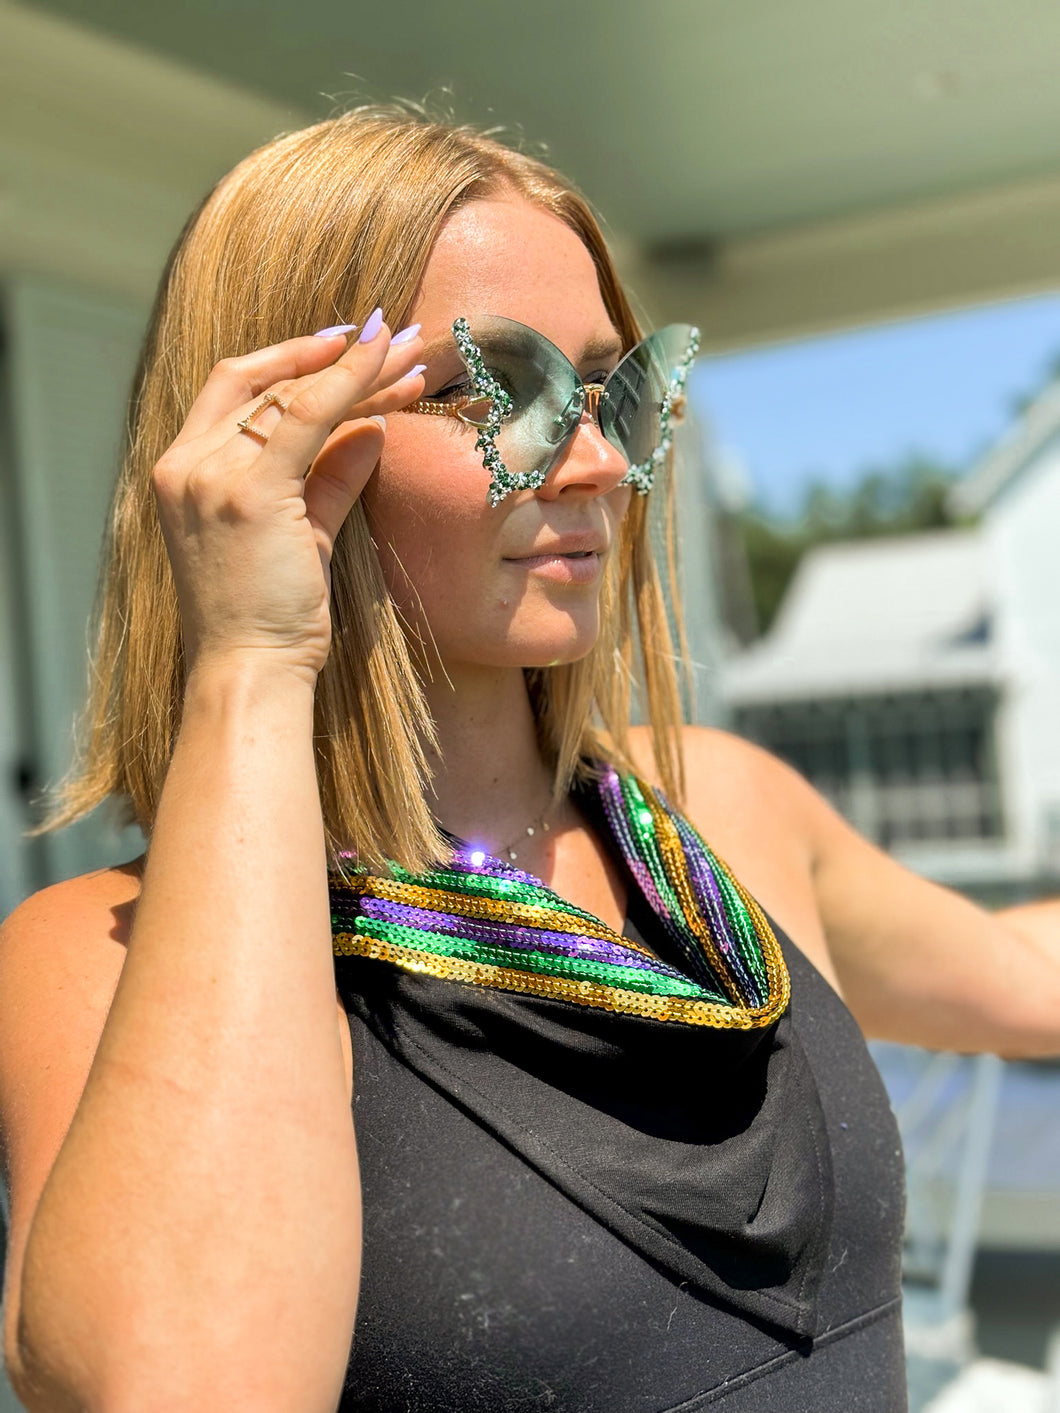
(519, 639)
(553, 649)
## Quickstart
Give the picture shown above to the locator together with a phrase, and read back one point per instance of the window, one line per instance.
(901, 767)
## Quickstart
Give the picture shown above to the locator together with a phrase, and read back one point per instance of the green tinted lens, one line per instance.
(546, 392)
(631, 406)
(529, 400)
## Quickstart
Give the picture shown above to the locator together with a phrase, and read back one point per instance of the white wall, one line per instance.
(71, 356)
(1022, 532)
(104, 149)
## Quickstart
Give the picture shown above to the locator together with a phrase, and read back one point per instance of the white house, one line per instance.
(916, 680)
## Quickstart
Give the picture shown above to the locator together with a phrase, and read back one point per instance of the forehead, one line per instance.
(511, 258)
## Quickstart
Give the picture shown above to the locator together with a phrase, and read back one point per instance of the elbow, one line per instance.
(1031, 1047)
(126, 1383)
(33, 1383)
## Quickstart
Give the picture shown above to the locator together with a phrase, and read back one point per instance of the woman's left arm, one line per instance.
(923, 965)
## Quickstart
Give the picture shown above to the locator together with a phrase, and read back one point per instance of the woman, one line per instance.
(603, 1162)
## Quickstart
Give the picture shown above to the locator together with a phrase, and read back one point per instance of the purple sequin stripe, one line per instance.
(705, 884)
(512, 935)
(614, 806)
(618, 811)
(491, 867)
(708, 893)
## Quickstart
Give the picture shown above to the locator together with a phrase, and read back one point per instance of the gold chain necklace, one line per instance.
(511, 850)
(541, 822)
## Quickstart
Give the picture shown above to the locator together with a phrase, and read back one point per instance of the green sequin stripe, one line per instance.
(580, 993)
(739, 915)
(761, 950)
(501, 890)
(640, 811)
(642, 823)
(606, 974)
(674, 860)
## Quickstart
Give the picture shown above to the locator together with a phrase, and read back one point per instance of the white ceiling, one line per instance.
(778, 164)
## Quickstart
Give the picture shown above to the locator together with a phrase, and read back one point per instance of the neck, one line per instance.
(489, 780)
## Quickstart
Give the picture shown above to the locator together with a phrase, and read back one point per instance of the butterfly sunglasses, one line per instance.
(526, 399)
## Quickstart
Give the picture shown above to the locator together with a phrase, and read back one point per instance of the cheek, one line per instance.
(427, 509)
(618, 503)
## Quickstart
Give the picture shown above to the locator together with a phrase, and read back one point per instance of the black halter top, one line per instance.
(721, 1230)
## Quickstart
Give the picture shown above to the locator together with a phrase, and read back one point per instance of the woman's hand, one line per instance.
(250, 527)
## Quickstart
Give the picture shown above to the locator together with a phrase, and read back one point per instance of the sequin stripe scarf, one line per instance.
(484, 922)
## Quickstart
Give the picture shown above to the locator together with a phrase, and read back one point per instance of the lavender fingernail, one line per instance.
(334, 331)
(419, 368)
(372, 325)
(406, 335)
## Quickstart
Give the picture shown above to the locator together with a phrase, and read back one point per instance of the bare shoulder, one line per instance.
(705, 746)
(724, 769)
(66, 944)
(61, 954)
(68, 941)
(104, 897)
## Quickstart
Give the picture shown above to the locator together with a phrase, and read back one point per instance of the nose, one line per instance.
(589, 465)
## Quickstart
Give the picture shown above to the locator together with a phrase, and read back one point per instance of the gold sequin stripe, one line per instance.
(583, 993)
(673, 855)
(495, 910)
(777, 978)
(776, 968)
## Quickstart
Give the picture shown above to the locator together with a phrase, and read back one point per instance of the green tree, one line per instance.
(899, 500)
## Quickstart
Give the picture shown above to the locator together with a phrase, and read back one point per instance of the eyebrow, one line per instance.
(602, 348)
(437, 347)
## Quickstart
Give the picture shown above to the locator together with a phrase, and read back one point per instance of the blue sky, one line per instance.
(831, 406)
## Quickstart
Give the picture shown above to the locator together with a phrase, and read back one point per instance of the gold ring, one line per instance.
(247, 423)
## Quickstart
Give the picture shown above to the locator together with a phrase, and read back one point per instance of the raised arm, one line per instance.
(917, 962)
(185, 1232)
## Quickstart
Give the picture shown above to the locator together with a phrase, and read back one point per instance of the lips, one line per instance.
(571, 547)
(572, 561)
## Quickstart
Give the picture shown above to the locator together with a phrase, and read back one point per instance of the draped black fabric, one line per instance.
(705, 1150)
(569, 1208)
(486, 1287)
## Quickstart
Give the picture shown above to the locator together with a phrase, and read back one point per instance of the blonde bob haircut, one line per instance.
(316, 228)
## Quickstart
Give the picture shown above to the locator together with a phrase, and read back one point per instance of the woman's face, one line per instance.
(509, 586)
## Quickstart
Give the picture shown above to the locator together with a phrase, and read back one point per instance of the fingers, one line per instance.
(340, 472)
(320, 419)
(394, 397)
(351, 453)
(235, 384)
(316, 406)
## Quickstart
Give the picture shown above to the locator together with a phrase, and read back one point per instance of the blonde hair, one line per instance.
(316, 228)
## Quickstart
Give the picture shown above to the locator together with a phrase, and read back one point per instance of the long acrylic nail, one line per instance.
(372, 325)
(419, 368)
(406, 335)
(334, 331)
